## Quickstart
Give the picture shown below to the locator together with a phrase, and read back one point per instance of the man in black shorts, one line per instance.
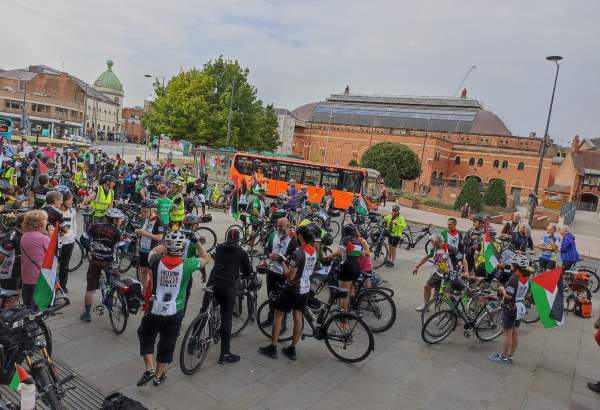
(151, 232)
(294, 295)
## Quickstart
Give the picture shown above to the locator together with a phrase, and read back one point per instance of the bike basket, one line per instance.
(579, 281)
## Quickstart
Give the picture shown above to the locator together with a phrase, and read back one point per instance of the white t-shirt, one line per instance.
(70, 217)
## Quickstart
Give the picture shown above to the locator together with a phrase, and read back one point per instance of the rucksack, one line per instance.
(117, 401)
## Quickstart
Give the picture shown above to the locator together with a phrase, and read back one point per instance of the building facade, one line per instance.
(131, 121)
(454, 139)
(286, 124)
(103, 106)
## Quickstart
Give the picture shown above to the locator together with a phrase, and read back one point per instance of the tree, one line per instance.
(385, 156)
(204, 105)
(392, 179)
(495, 195)
(352, 163)
(469, 193)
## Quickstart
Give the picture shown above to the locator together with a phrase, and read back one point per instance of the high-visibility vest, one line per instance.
(177, 213)
(102, 201)
(10, 175)
(80, 179)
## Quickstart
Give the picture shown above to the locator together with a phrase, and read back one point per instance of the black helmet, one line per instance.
(157, 178)
(108, 178)
(147, 204)
(349, 230)
(191, 219)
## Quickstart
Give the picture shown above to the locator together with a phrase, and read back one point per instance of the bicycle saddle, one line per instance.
(338, 293)
(7, 293)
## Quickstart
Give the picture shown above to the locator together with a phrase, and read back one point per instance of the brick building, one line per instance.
(132, 123)
(454, 138)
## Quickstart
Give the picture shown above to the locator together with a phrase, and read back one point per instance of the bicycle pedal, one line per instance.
(467, 334)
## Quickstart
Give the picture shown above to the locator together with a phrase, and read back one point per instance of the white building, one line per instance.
(286, 124)
(103, 106)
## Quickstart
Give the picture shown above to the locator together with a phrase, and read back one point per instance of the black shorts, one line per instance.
(95, 269)
(12, 283)
(143, 258)
(434, 281)
(547, 264)
(394, 241)
(509, 321)
(289, 300)
(350, 270)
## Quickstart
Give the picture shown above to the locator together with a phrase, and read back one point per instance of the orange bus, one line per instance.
(275, 172)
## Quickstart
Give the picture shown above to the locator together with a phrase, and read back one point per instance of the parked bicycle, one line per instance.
(411, 239)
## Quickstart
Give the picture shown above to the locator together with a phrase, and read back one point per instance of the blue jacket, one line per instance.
(568, 250)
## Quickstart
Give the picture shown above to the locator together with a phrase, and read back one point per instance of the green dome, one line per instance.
(108, 79)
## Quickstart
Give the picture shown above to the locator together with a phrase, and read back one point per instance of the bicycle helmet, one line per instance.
(157, 178)
(349, 230)
(191, 219)
(177, 182)
(521, 261)
(233, 235)
(114, 213)
(396, 208)
(147, 204)
(175, 243)
(62, 189)
(80, 165)
(162, 189)
(107, 178)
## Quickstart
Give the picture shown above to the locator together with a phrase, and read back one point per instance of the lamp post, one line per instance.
(534, 199)
(230, 111)
(163, 86)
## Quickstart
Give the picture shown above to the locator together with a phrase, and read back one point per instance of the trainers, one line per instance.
(86, 317)
(158, 380)
(595, 387)
(228, 358)
(290, 352)
(269, 351)
(146, 377)
(509, 358)
(420, 308)
(497, 357)
(389, 264)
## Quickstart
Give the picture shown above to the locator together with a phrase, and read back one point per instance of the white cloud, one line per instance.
(301, 51)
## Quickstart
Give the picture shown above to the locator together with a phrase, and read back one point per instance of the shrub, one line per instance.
(495, 195)
(470, 193)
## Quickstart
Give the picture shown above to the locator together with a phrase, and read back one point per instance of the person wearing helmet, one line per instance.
(171, 272)
(164, 204)
(80, 178)
(327, 202)
(150, 234)
(395, 224)
(177, 213)
(128, 177)
(37, 196)
(473, 240)
(151, 192)
(445, 259)
(8, 172)
(513, 307)
(101, 199)
(34, 167)
(91, 159)
(104, 238)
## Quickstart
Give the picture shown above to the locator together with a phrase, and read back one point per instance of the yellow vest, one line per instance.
(80, 179)
(177, 213)
(101, 202)
(10, 175)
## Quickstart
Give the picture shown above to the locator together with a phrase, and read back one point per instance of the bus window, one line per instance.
(351, 181)
(295, 172)
(243, 165)
(279, 171)
(371, 188)
(331, 177)
(312, 176)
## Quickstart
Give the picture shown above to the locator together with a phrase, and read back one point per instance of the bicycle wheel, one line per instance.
(262, 316)
(46, 334)
(318, 284)
(434, 305)
(348, 338)
(594, 283)
(379, 254)
(118, 313)
(439, 326)
(46, 384)
(376, 309)
(532, 315)
(240, 230)
(334, 228)
(241, 310)
(195, 345)
(489, 325)
(76, 257)
(208, 238)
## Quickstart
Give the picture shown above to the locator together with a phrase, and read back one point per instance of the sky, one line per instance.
(302, 51)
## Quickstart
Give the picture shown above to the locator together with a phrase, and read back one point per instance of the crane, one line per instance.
(464, 80)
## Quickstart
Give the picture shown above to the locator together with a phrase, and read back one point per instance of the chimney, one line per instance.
(463, 94)
(532, 134)
(575, 144)
(347, 90)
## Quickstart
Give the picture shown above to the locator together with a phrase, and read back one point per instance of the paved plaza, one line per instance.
(550, 371)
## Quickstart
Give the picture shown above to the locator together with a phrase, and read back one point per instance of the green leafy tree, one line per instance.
(392, 179)
(352, 163)
(495, 195)
(385, 156)
(205, 105)
(469, 193)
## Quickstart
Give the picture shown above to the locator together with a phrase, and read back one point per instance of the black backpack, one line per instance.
(117, 401)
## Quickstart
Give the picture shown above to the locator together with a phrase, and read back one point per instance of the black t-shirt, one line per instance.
(155, 227)
(299, 261)
(230, 261)
(152, 192)
(105, 238)
(54, 216)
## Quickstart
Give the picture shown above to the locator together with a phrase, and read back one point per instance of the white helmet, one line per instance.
(521, 261)
(114, 213)
(175, 243)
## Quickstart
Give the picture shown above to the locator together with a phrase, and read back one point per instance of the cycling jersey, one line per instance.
(170, 278)
(304, 260)
(39, 195)
(516, 287)
(283, 246)
(163, 209)
(105, 237)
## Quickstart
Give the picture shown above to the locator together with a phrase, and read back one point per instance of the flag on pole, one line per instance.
(43, 168)
(489, 251)
(361, 206)
(547, 291)
(235, 200)
(43, 294)
(20, 376)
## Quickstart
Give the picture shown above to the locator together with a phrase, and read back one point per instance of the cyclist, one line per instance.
(258, 209)
(445, 258)
(80, 179)
(513, 308)
(281, 242)
(177, 213)
(292, 192)
(163, 204)
(452, 236)
(473, 240)
(327, 201)
(8, 172)
(149, 234)
(102, 199)
(104, 239)
(294, 295)
(37, 196)
(521, 238)
(395, 225)
(171, 273)
(67, 241)
(10, 256)
(152, 192)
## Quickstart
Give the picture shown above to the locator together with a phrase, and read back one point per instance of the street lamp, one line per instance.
(534, 198)
(163, 86)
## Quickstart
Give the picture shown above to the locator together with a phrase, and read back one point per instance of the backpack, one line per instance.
(117, 401)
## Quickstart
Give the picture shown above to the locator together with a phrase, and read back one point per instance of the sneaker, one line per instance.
(509, 358)
(228, 358)
(158, 380)
(497, 357)
(290, 352)
(389, 264)
(594, 387)
(146, 377)
(269, 351)
(420, 308)
(86, 317)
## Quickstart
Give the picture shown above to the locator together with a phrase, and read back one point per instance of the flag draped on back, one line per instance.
(361, 206)
(489, 251)
(43, 294)
(547, 291)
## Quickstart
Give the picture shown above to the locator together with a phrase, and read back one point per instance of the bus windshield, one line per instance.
(372, 184)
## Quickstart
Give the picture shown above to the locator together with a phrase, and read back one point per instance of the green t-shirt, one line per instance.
(256, 207)
(163, 208)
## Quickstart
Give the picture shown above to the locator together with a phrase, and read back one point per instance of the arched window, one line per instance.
(472, 161)
(504, 164)
(496, 163)
(480, 162)
(436, 156)
(457, 160)
(521, 166)
(434, 175)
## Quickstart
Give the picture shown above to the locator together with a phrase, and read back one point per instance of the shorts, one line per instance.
(434, 281)
(143, 259)
(95, 269)
(166, 329)
(509, 321)
(350, 270)
(12, 283)
(289, 300)
(394, 241)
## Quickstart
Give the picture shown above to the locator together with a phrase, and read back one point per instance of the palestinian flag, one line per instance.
(361, 206)
(547, 291)
(43, 294)
(43, 168)
(489, 251)
(20, 376)
(235, 200)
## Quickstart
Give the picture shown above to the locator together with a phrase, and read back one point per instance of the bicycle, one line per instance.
(245, 301)
(411, 240)
(594, 280)
(340, 331)
(378, 246)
